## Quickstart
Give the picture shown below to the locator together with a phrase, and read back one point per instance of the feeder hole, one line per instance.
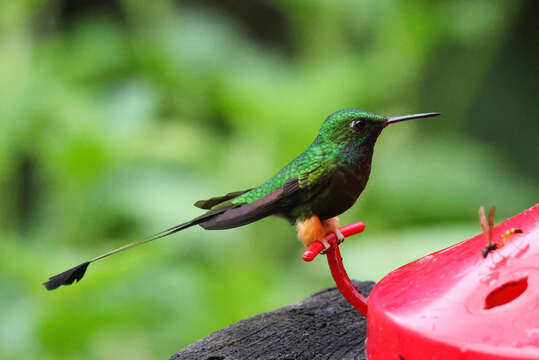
(506, 293)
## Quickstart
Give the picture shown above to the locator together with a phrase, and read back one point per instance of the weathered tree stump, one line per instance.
(323, 326)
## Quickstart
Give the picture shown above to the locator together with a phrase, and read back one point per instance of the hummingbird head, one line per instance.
(358, 127)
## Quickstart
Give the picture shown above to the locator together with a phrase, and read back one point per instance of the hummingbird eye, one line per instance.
(357, 124)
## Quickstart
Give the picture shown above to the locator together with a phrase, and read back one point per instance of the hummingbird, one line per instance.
(310, 192)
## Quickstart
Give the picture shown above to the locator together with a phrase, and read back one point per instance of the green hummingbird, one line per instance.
(310, 192)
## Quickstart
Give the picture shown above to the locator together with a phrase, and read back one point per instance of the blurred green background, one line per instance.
(115, 116)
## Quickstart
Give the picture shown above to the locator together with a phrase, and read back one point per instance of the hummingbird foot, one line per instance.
(313, 229)
(331, 225)
(340, 236)
(326, 244)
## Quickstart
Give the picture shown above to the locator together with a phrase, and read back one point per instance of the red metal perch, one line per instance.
(346, 287)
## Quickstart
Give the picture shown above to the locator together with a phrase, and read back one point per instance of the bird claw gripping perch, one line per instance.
(344, 284)
(327, 245)
(340, 236)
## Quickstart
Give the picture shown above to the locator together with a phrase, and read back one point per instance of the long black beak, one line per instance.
(395, 119)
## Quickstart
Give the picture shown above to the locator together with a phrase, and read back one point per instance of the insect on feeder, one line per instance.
(458, 303)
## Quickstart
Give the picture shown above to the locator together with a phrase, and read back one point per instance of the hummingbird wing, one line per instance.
(264, 201)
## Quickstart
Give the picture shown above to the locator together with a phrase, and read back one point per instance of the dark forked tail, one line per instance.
(76, 273)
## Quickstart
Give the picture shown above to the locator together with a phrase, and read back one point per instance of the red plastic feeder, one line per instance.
(455, 304)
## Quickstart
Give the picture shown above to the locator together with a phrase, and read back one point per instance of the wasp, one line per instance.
(488, 227)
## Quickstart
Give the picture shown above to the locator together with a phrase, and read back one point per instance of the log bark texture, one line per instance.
(323, 326)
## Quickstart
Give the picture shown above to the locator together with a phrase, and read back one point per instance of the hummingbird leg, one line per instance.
(311, 230)
(332, 225)
(340, 236)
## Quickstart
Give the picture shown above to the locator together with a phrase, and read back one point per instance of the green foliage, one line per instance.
(110, 130)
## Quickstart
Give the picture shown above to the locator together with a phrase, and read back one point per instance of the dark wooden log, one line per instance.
(323, 326)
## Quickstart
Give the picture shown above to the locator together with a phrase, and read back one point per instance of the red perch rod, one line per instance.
(346, 287)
